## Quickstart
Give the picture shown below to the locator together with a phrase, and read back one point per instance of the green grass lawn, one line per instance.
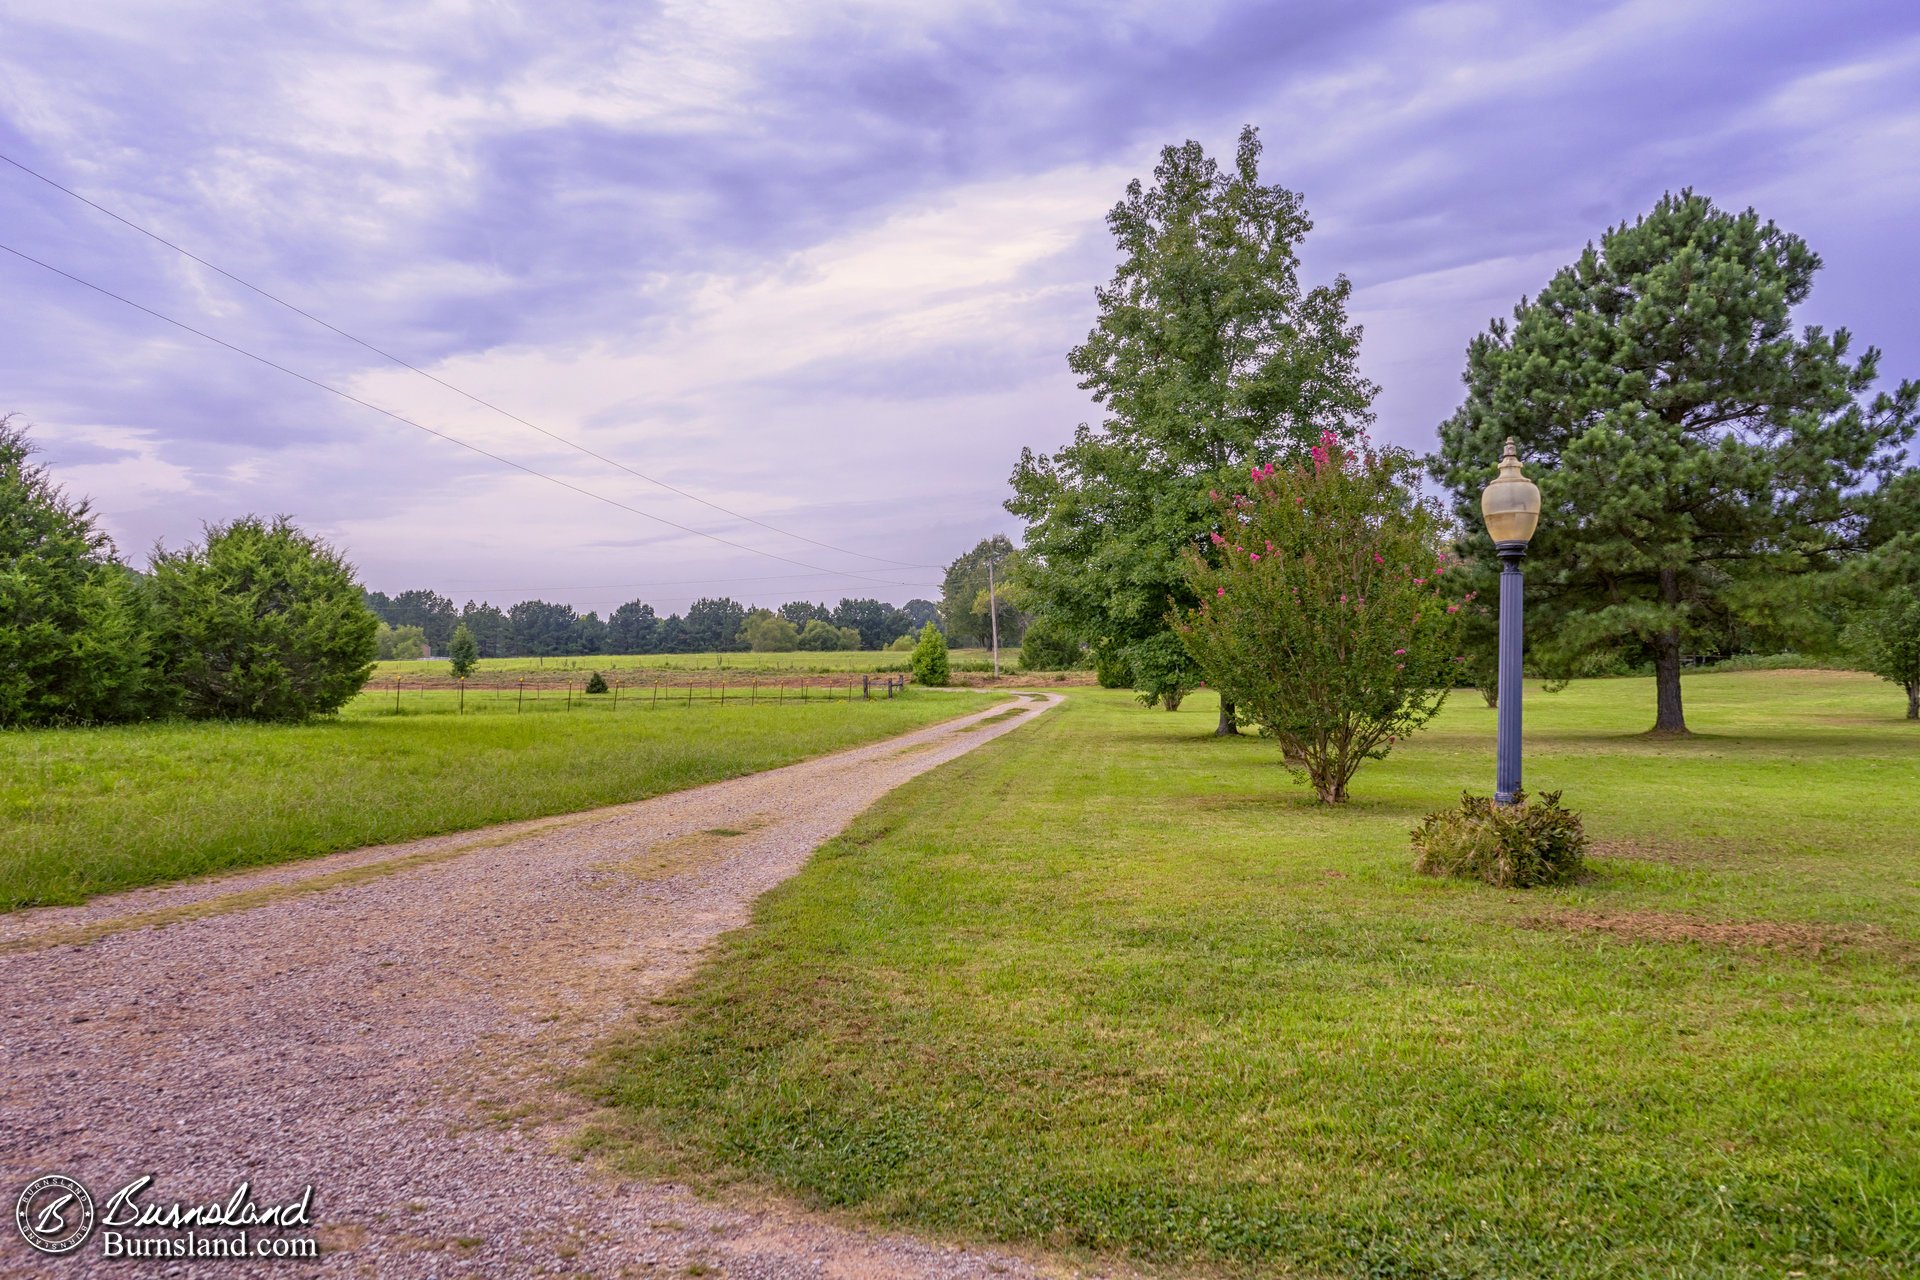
(84, 811)
(853, 660)
(1110, 986)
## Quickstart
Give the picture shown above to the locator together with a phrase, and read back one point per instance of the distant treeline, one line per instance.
(540, 628)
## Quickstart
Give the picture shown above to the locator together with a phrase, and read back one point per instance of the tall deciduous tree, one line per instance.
(1208, 355)
(1689, 443)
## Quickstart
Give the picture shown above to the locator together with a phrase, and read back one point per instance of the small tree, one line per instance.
(818, 636)
(399, 643)
(1163, 670)
(260, 622)
(1887, 642)
(767, 632)
(1326, 620)
(930, 657)
(596, 683)
(463, 651)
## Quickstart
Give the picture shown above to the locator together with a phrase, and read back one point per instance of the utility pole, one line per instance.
(993, 613)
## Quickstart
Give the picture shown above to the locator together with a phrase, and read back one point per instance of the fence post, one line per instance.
(569, 695)
(520, 703)
(616, 695)
(656, 691)
(753, 694)
(396, 695)
(723, 693)
(866, 690)
(689, 693)
(463, 697)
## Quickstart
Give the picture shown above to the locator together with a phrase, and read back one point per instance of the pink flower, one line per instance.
(1343, 599)
(1217, 539)
(1399, 653)
(1419, 582)
(1256, 557)
(1220, 591)
(1453, 608)
(1269, 546)
(1378, 559)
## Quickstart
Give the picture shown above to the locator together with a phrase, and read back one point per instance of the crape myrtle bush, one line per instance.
(1328, 619)
(1514, 846)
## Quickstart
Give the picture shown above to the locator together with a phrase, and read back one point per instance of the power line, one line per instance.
(518, 466)
(388, 355)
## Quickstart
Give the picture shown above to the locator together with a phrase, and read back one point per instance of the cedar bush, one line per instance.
(930, 657)
(596, 683)
(75, 638)
(260, 622)
(1514, 846)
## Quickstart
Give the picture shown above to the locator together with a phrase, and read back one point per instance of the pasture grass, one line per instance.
(87, 811)
(1112, 987)
(831, 661)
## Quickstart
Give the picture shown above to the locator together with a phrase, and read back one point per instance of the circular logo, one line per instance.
(54, 1214)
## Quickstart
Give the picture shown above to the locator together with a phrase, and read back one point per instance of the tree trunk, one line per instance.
(1228, 726)
(1913, 700)
(1669, 718)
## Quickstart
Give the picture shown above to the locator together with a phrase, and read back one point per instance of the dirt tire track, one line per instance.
(394, 1036)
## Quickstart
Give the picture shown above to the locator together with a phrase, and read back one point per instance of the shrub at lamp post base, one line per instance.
(1512, 646)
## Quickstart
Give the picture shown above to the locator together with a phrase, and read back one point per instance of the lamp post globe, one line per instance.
(1511, 507)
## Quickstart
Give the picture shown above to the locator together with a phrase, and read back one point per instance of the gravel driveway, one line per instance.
(389, 1025)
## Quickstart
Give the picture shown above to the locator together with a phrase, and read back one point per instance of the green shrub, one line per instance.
(930, 657)
(1111, 669)
(597, 683)
(1513, 846)
(1163, 671)
(902, 644)
(1048, 646)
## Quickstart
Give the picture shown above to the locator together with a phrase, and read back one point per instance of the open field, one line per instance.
(511, 669)
(85, 811)
(1113, 987)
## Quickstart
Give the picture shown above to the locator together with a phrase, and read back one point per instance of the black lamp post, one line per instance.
(1511, 506)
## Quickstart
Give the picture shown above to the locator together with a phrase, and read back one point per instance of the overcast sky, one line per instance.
(818, 263)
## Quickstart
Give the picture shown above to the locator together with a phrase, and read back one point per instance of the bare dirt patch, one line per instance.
(1768, 935)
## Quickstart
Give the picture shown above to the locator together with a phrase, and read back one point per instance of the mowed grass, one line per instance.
(853, 660)
(85, 811)
(1111, 987)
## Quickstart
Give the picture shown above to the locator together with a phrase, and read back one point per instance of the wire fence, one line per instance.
(464, 697)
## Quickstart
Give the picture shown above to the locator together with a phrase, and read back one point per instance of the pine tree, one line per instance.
(1689, 445)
